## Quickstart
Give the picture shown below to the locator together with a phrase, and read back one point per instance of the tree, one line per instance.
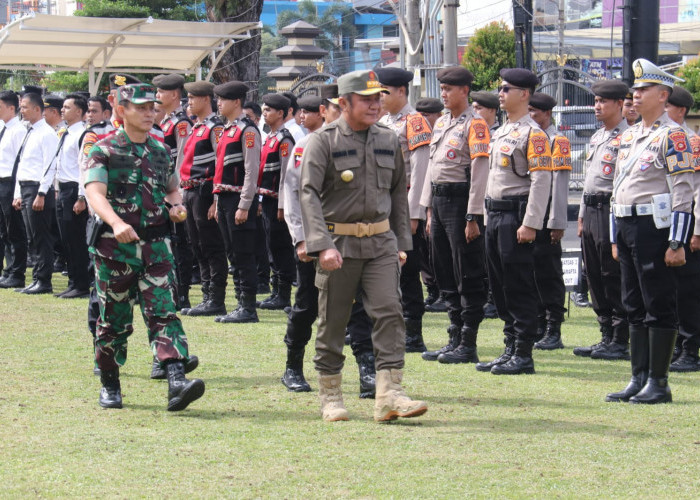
(691, 74)
(490, 49)
(68, 81)
(178, 10)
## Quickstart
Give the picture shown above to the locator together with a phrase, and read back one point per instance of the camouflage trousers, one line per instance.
(143, 273)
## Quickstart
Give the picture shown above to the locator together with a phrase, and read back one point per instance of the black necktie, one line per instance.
(19, 155)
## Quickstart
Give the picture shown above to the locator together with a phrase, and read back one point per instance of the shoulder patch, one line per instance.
(89, 140)
(284, 149)
(217, 131)
(539, 153)
(298, 153)
(678, 157)
(182, 128)
(249, 139)
(479, 138)
(561, 153)
(695, 146)
(417, 132)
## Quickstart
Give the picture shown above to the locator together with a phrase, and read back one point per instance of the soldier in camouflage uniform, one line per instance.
(129, 180)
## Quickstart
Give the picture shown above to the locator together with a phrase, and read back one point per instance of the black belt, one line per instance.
(5, 179)
(509, 204)
(153, 232)
(67, 184)
(596, 199)
(28, 183)
(451, 189)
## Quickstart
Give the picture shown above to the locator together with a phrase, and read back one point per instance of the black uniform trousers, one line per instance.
(427, 268)
(602, 271)
(15, 231)
(279, 242)
(262, 256)
(648, 285)
(456, 261)
(305, 311)
(72, 230)
(239, 240)
(511, 268)
(549, 277)
(688, 297)
(38, 225)
(204, 233)
(184, 257)
(411, 287)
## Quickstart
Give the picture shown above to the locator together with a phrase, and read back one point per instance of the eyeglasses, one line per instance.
(507, 88)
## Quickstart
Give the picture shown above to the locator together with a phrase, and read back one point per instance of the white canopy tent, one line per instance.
(97, 44)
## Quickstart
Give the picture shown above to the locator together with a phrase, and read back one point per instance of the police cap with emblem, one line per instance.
(169, 82)
(610, 89)
(647, 74)
(310, 103)
(116, 80)
(542, 101)
(276, 101)
(330, 93)
(485, 99)
(455, 75)
(200, 88)
(232, 90)
(361, 82)
(137, 93)
(394, 77)
(53, 101)
(520, 77)
(681, 98)
(429, 105)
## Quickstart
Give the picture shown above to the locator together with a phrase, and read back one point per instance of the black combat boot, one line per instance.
(414, 335)
(433, 294)
(158, 373)
(552, 337)
(606, 333)
(465, 352)
(277, 302)
(244, 313)
(508, 352)
(490, 311)
(656, 390)
(365, 365)
(183, 297)
(214, 306)
(520, 362)
(687, 361)
(453, 331)
(293, 378)
(273, 289)
(639, 357)
(111, 392)
(181, 392)
(201, 305)
(541, 327)
(617, 348)
(438, 306)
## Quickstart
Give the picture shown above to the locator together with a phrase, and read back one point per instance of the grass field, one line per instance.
(548, 435)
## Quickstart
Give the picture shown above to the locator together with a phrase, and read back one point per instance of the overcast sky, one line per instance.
(473, 14)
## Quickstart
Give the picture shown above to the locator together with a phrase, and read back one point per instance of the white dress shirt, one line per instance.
(39, 151)
(66, 168)
(10, 144)
(296, 131)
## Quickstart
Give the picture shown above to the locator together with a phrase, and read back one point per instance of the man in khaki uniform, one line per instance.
(355, 216)
(414, 134)
(650, 220)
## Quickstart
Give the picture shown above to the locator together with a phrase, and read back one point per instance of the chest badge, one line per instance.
(451, 154)
(347, 175)
(505, 161)
(607, 169)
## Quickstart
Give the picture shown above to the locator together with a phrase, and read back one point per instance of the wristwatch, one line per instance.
(470, 217)
(674, 244)
(41, 194)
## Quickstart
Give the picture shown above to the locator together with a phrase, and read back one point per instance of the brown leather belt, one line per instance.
(358, 229)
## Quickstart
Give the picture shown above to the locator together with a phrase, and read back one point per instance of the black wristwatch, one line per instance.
(41, 194)
(674, 244)
(470, 217)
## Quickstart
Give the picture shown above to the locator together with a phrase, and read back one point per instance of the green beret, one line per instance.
(200, 88)
(610, 89)
(542, 101)
(172, 81)
(681, 98)
(429, 105)
(485, 98)
(232, 90)
(520, 77)
(455, 75)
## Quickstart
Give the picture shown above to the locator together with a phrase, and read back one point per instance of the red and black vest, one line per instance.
(230, 165)
(199, 157)
(270, 164)
(177, 124)
(95, 133)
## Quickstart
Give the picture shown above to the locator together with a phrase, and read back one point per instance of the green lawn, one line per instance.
(545, 435)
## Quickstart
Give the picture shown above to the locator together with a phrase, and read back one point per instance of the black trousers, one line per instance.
(204, 233)
(648, 285)
(16, 234)
(458, 262)
(688, 298)
(602, 271)
(305, 310)
(38, 226)
(239, 241)
(427, 268)
(72, 230)
(411, 287)
(184, 257)
(279, 242)
(549, 277)
(511, 268)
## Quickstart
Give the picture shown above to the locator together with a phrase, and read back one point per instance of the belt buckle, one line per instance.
(362, 230)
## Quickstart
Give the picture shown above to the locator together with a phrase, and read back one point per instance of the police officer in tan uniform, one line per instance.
(454, 198)
(414, 134)
(518, 188)
(355, 216)
(602, 271)
(651, 214)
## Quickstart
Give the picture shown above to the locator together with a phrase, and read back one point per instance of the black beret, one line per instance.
(610, 89)
(310, 103)
(200, 88)
(429, 105)
(292, 100)
(455, 75)
(542, 101)
(681, 98)
(116, 80)
(520, 77)
(53, 101)
(172, 81)
(394, 77)
(32, 89)
(329, 91)
(277, 101)
(232, 90)
(485, 98)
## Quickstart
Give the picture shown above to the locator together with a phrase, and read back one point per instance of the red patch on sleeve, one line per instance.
(249, 139)
(479, 130)
(539, 144)
(182, 129)
(88, 142)
(680, 141)
(284, 149)
(218, 132)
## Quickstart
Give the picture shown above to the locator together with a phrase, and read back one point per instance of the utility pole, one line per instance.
(413, 20)
(522, 26)
(640, 34)
(449, 37)
(561, 57)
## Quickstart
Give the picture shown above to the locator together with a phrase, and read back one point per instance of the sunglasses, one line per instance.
(507, 88)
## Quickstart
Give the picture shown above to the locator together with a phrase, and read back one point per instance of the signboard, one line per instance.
(571, 266)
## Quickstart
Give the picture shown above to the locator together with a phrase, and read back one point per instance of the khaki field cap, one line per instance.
(138, 93)
(360, 82)
(647, 74)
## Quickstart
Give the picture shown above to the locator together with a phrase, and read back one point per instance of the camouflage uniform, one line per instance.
(137, 177)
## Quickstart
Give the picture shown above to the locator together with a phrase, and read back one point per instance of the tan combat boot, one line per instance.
(391, 401)
(332, 407)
